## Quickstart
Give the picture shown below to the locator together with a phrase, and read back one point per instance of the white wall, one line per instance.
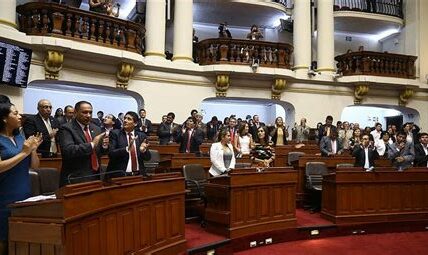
(60, 98)
(341, 46)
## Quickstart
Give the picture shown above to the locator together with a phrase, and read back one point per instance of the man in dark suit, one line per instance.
(421, 151)
(401, 153)
(327, 128)
(330, 145)
(255, 126)
(128, 148)
(213, 127)
(68, 115)
(82, 144)
(144, 124)
(190, 137)
(365, 154)
(99, 119)
(45, 124)
(167, 130)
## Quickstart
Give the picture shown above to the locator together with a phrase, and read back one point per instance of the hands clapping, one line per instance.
(32, 143)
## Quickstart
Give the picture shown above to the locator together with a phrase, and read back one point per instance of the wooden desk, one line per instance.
(166, 151)
(281, 152)
(331, 163)
(386, 195)
(181, 159)
(246, 202)
(131, 216)
(57, 162)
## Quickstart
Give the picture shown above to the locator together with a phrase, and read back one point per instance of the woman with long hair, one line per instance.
(355, 140)
(221, 154)
(244, 142)
(262, 154)
(16, 157)
(280, 133)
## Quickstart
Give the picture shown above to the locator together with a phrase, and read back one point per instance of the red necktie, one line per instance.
(94, 160)
(232, 135)
(133, 154)
(189, 135)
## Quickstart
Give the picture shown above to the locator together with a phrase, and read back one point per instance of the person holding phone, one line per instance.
(365, 154)
(128, 148)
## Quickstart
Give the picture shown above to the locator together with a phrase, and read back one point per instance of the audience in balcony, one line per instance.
(255, 33)
(99, 6)
(112, 10)
(223, 31)
(371, 6)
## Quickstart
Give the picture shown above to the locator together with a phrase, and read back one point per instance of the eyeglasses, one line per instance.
(46, 106)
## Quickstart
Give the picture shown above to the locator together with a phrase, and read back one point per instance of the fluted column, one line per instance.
(183, 30)
(155, 28)
(325, 34)
(8, 13)
(302, 35)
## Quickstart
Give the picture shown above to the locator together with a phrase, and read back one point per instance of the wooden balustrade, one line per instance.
(58, 20)
(390, 8)
(377, 63)
(243, 52)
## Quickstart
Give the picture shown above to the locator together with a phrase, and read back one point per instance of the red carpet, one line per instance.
(197, 236)
(380, 244)
(305, 218)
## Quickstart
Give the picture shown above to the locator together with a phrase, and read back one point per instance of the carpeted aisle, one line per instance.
(408, 243)
(197, 236)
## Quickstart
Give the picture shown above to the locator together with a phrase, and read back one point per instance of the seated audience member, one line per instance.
(301, 132)
(345, 135)
(327, 128)
(263, 153)
(244, 140)
(128, 148)
(82, 145)
(190, 138)
(46, 125)
(144, 124)
(167, 130)
(223, 31)
(330, 145)
(280, 132)
(421, 151)
(401, 153)
(254, 33)
(221, 154)
(17, 155)
(382, 144)
(365, 154)
(213, 127)
(112, 10)
(68, 115)
(108, 123)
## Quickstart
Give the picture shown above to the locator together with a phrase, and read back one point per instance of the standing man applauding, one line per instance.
(128, 148)
(82, 144)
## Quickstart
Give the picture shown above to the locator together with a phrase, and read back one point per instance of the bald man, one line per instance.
(45, 124)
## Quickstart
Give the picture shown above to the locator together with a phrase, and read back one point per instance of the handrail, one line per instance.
(390, 8)
(59, 20)
(244, 52)
(377, 63)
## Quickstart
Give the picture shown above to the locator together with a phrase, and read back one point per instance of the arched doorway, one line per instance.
(60, 94)
(267, 110)
(368, 115)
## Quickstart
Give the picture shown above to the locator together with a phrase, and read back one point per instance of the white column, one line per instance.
(155, 28)
(8, 13)
(325, 37)
(302, 35)
(183, 30)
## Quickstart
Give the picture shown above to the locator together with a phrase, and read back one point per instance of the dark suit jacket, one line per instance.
(97, 122)
(35, 124)
(325, 146)
(76, 152)
(253, 129)
(118, 155)
(195, 140)
(165, 134)
(420, 156)
(360, 156)
(148, 125)
(213, 129)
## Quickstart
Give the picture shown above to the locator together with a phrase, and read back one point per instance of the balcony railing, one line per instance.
(244, 52)
(376, 63)
(58, 20)
(386, 7)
